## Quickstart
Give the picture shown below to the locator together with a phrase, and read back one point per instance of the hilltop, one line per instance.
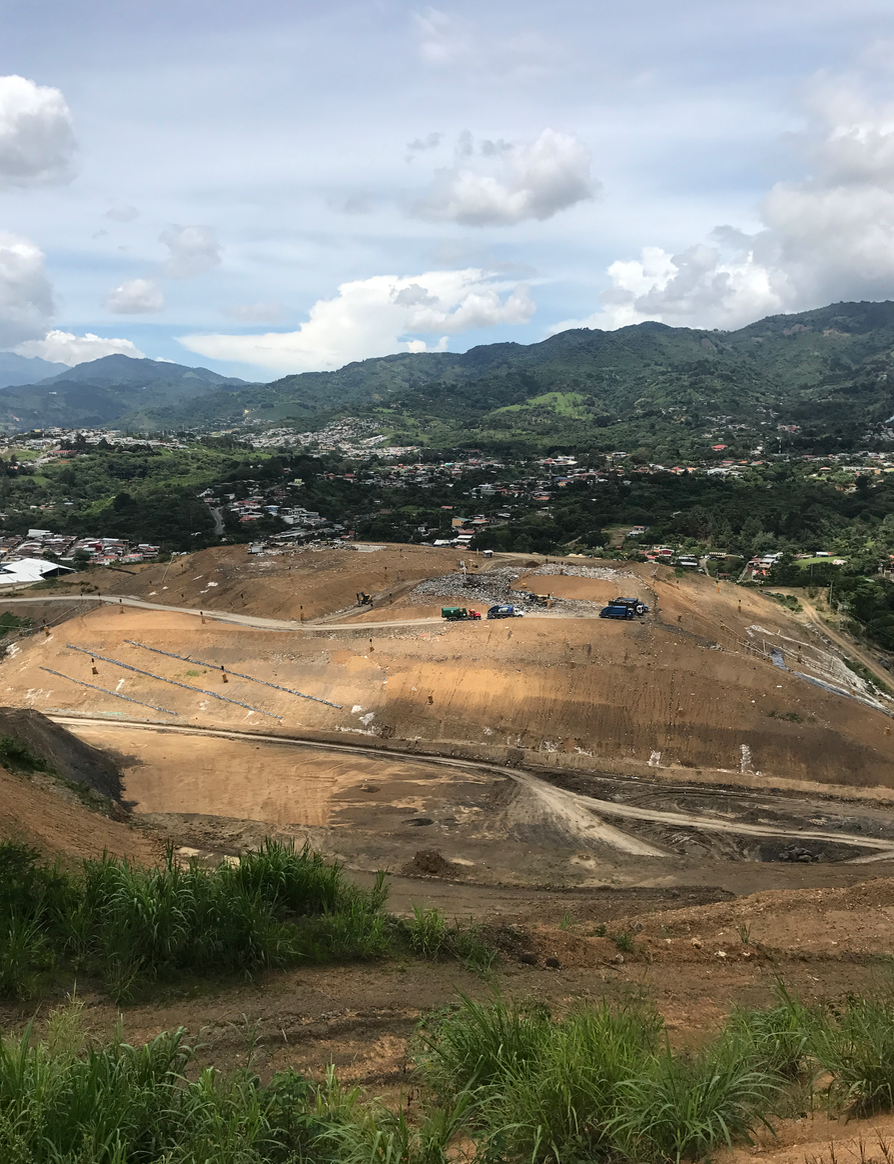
(690, 805)
(829, 373)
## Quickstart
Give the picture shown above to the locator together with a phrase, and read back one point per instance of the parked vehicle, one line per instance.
(634, 604)
(504, 612)
(459, 614)
(617, 612)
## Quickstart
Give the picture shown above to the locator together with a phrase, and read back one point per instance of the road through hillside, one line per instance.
(577, 812)
(255, 621)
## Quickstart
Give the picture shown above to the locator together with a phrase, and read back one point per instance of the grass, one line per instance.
(874, 683)
(500, 1081)
(789, 601)
(10, 621)
(18, 756)
(429, 935)
(133, 927)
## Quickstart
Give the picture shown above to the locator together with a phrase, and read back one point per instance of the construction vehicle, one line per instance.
(617, 612)
(634, 604)
(504, 611)
(459, 614)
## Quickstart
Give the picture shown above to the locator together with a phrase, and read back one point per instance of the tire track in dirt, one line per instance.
(577, 816)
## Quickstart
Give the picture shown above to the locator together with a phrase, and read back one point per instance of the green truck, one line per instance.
(459, 614)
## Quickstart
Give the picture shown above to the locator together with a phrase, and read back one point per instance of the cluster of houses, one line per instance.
(101, 551)
(42, 554)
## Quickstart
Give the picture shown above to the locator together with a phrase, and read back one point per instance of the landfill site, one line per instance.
(714, 765)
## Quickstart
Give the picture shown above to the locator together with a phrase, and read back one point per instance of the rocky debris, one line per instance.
(603, 573)
(487, 589)
(797, 853)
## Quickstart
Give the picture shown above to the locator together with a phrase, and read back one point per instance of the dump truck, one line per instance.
(637, 606)
(617, 612)
(504, 611)
(459, 614)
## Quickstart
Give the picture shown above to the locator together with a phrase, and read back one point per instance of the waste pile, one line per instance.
(485, 589)
(603, 573)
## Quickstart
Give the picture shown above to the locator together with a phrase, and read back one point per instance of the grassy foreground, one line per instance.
(502, 1084)
(130, 927)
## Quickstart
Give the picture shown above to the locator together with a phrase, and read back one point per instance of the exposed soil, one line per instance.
(653, 804)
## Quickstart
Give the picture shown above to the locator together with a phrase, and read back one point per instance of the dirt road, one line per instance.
(578, 815)
(848, 646)
(258, 623)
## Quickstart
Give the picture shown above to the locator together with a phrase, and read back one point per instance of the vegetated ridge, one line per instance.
(116, 389)
(827, 370)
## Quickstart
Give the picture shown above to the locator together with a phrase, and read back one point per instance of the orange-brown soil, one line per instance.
(682, 711)
(37, 812)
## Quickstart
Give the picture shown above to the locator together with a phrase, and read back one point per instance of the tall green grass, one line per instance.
(502, 1082)
(64, 1101)
(131, 926)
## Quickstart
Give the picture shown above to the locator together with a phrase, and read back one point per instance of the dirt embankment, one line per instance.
(300, 583)
(692, 687)
(68, 756)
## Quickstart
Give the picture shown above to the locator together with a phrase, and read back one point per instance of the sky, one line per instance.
(265, 188)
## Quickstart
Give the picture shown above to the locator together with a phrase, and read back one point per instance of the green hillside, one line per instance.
(667, 390)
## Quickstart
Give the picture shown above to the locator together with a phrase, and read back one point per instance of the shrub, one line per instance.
(684, 1109)
(430, 935)
(779, 1037)
(857, 1047)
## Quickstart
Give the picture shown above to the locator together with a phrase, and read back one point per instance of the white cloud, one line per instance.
(502, 183)
(26, 297)
(37, 141)
(122, 212)
(827, 237)
(62, 347)
(135, 297)
(255, 312)
(193, 249)
(371, 317)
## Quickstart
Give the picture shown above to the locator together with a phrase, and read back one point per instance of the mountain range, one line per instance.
(15, 369)
(114, 391)
(823, 370)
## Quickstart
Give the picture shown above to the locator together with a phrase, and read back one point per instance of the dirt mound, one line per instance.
(297, 583)
(68, 756)
(48, 816)
(430, 863)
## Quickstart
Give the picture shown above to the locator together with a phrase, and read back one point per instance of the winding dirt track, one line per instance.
(255, 621)
(576, 812)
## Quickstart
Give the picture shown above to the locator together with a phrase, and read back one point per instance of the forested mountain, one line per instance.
(829, 371)
(115, 390)
(16, 369)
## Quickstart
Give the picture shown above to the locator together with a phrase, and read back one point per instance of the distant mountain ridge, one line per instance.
(15, 369)
(649, 384)
(114, 391)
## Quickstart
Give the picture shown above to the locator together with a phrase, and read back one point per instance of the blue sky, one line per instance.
(275, 187)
